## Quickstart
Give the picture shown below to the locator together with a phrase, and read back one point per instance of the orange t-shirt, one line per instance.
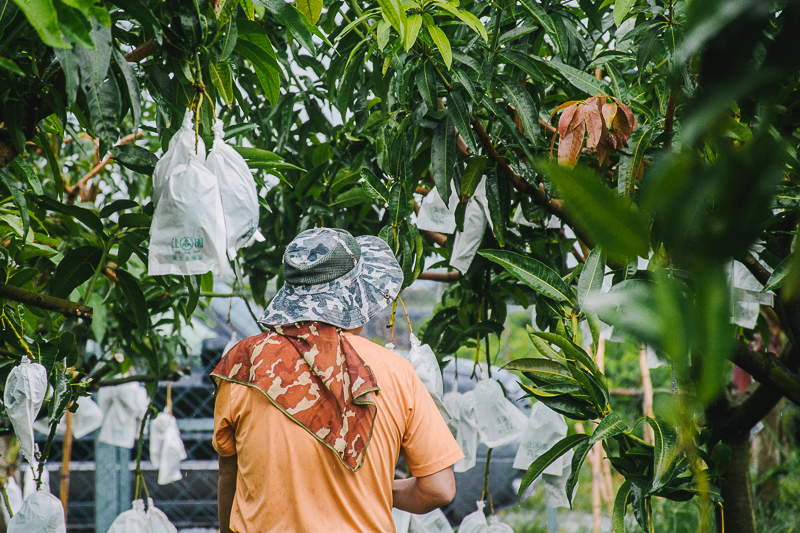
(289, 482)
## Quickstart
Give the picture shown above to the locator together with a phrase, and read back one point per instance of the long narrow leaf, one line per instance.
(591, 278)
(620, 503)
(533, 273)
(544, 460)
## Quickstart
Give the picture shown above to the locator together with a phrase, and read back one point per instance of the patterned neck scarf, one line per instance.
(315, 377)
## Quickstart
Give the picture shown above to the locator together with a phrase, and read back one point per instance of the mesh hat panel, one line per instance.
(319, 256)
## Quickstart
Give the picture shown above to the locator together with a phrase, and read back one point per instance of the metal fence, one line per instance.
(102, 479)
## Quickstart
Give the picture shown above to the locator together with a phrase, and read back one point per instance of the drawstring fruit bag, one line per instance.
(467, 433)
(499, 421)
(26, 388)
(181, 146)
(187, 236)
(166, 448)
(41, 513)
(124, 407)
(467, 242)
(474, 522)
(427, 368)
(545, 428)
(86, 419)
(137, 520)
(238, 192)
(555, 486)
(434, 215)
(433, 522)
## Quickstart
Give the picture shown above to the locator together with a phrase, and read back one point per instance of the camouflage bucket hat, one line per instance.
(334, 278)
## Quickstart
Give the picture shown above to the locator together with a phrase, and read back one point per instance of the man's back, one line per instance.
(288, 481)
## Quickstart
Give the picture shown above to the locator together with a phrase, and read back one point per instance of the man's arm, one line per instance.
(226, 490)
(420, 495)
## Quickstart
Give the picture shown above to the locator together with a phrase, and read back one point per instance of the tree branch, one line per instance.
(45, 301)
(445, 277)
(768, 370)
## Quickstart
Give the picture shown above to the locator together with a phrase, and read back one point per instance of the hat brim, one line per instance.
(348, 303)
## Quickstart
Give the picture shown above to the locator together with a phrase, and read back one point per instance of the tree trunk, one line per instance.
(738, 496)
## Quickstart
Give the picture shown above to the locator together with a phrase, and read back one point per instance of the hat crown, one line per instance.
(319, 256)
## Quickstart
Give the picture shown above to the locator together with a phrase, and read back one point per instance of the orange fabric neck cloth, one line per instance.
(314, 376)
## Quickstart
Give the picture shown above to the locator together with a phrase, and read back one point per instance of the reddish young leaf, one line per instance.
(629, 115)
(566, 118)
(569, 148)
(577, 119)
(609, 112)
(595, 125)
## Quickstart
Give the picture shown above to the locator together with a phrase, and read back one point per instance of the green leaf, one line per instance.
(473, 175)
(43, 17)
(99, 323)
(427, 84)
(610, 426)
(266, 66)
(84, 215)
(68, 59)
(62, 396)
(132, 86)
(135, 297)
(442, 43)
(311, 9)
(221, 78)
(540, 15)
(413, 25)
(509, 125)
(136, 158)
(591, 278)
(547, 458)
(462, 119)
(257, 154)
(518, 96)
(10, 66)
(544, 369)
(778, 276)
(621, 10)
(583, 81)
(498, 197)
(466, 17)
(374, 187)
(352, 71)
(533, 273)
(19, 200)
(384, 31)
(621, 230)
(137, 10)
(291, 17)
(569, 349)
(665, 449)
(193, 286)
(581, 451)
(523, 63)
(134, 220)
(77, 266)
(629, 164)
(25, 171)
(102, 99)
(443, 157)
(51, 160)
(73, 25)
(395, 14)
(398, 205)
(620, 503)
(117, 206)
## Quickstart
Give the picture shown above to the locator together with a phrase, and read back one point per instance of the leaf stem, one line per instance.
(97, 271)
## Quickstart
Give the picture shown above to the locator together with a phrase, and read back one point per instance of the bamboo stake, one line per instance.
(67, 455)
(607, 487)
(647, 402)
(597, 481)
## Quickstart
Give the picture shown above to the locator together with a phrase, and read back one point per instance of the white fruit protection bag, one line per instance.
(467, 242)
(166, 448)
(433, 522)
(499, 421)
(124, 407)
(476, 523)
(86, 419)
(434, 215)
(427, 368)
(467, 432)
(238, 193)
(137, 520)
(187, 236)
(41, 513)
(181, 146)
(555, 486)
(26, 388)
(545, 427)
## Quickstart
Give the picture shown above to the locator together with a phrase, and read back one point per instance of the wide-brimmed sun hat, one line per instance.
(334, 278)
